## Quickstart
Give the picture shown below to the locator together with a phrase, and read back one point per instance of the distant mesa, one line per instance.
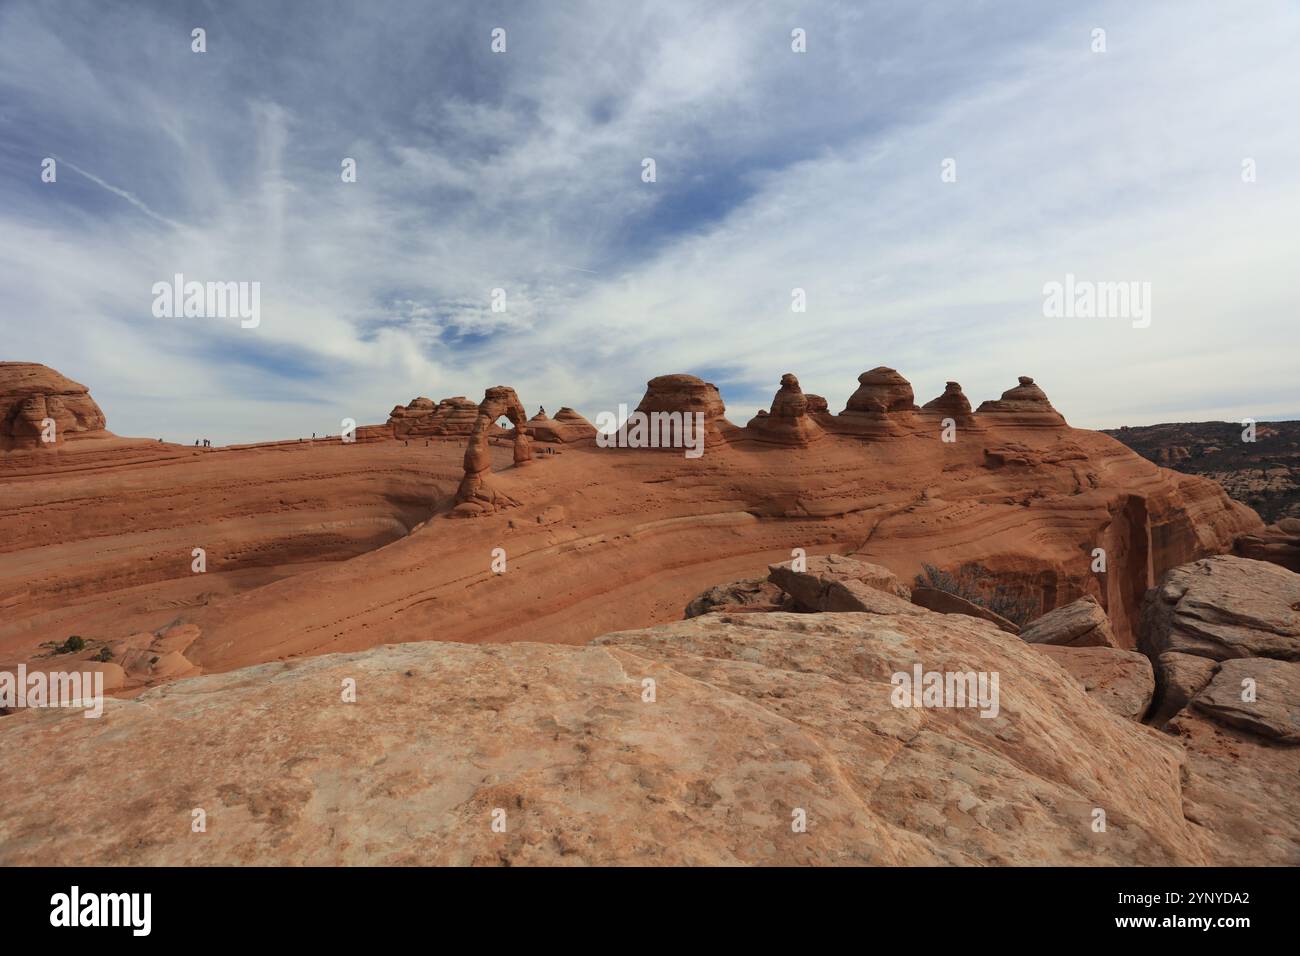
(789, 422)
(31, 394)
(1026, 406)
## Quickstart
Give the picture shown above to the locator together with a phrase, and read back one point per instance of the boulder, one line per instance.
(1223, 607)
(836, 582)
(947, 603)
(1122, 681)
(1080, 623)
(1275, 686)
(1179, 678)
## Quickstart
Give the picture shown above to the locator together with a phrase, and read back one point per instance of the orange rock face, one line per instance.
(316, 547)
(788, 423)
(33, 395)
(1025, 406)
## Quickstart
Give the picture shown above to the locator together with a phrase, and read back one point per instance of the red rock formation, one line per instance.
(788, 423)
(342, 536)
(1278, 543)
(567, 426)
(688, 395)
(31, 394)
(1025, 406)
(477, 494)
(422, 418)
(880, 408)
(952, 402)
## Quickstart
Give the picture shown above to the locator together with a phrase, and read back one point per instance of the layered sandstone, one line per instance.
(315, 547)
(567, 426)
(1224, 607)
(1024, 406)
(1278, 543)
(39, 408)
(788, 422)
(422, 418)
(688, 395)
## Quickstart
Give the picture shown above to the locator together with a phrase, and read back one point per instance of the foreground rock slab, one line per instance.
(1223, 607)
(749, 724)
(1080, 623)
(1255, 694)
(1122, 681)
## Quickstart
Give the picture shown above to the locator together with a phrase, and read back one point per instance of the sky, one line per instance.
(523, 171)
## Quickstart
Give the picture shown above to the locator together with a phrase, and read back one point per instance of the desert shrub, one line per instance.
(71, 645)
(976, 584)
(104, 656)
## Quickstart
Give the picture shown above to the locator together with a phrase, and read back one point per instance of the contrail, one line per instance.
(120, 192)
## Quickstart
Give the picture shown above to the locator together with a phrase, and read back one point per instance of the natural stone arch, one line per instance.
(476, 494)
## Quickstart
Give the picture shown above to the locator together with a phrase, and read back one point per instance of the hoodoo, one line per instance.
(952, 402)
(1025, 406)
(788, 423)
(688, 394)
(879, 407)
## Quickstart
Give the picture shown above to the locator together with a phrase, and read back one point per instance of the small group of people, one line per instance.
(207, 442)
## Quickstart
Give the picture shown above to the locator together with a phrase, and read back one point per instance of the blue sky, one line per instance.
(522, 171)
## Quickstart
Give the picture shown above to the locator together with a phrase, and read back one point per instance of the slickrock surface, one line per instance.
(30, 394)
(1225, 606)
(752, 718)
(1121, 680)
(1274, 686)
(1080, 623)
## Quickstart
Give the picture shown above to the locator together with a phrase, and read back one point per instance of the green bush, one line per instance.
(104, 655)
(71, 645)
